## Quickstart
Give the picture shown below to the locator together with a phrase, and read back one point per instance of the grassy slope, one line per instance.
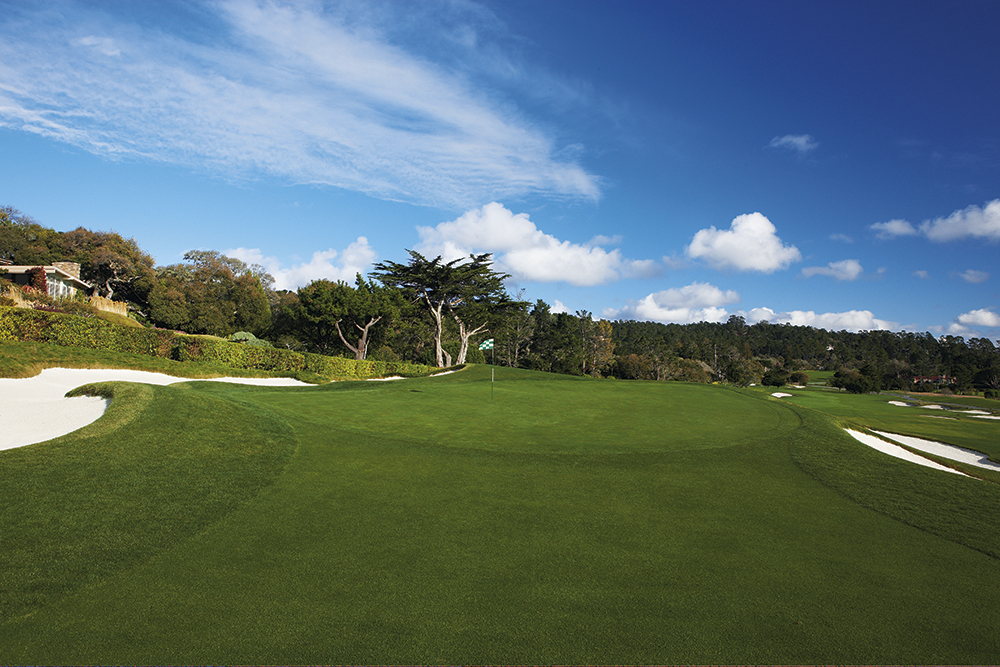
(564, 521)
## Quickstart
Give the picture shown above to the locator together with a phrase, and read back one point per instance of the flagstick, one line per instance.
(493, 360)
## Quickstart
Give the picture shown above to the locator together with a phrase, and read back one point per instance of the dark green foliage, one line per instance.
(247, 338)
(212, 294)
(799, 378)
(20, 324)
(775, 378)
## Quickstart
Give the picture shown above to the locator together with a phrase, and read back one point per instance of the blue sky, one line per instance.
(835, 164)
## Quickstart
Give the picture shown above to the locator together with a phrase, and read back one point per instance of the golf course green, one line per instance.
(543, 519)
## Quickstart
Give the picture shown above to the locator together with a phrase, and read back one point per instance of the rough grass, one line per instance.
(563, 521)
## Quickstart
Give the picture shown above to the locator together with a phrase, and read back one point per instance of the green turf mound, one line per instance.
(147, 475)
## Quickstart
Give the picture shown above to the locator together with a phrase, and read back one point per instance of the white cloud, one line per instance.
(311, 94)
(103, 45)
(697, 302)
(750, 244)
(971, 222)
(357, 258)
(984, 317)
(894, 228)
(923, 275)
(800, 143)
(848, 269)
(528, 253)
(558, 307)
(974, 277)
(852, 320)
(841, 237)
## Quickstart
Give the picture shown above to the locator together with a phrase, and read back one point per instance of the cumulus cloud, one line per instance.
(972, 222)
(841, 237)
(697, 302)
(852, 320)
(974, 277)
(984, 317)
(528, 253)
(894, 228)
(848, 269)
(800, 143)
(923, 275)
(329, 264)
(368, 101)
(750, 244)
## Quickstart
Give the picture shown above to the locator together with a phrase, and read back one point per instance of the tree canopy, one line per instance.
(468, 290)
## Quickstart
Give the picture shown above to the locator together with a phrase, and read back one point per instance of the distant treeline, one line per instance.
(436, 313)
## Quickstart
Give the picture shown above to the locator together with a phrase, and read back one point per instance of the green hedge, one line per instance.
(21, 324)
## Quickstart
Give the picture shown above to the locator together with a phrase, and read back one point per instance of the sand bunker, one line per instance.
(36, 409)
(899, 452)
(952, 452)
(780, 394)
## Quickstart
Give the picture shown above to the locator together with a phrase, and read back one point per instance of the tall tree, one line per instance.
(467, 290)
(213, 294)
(362, 310)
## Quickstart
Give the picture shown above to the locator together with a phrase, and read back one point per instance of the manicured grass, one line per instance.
(953, 426)
(562, 521)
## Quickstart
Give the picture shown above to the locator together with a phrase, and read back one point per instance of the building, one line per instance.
(62, 278)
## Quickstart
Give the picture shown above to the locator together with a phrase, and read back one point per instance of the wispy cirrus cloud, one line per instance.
(973, 276)
(798, 143)
(527, 253)
(311, 94)
(848, 269)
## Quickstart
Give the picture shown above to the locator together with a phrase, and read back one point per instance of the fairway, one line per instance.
(545, 519)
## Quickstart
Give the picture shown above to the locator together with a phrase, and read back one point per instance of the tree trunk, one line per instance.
(464, 334)
(438, 321)
(361, 349)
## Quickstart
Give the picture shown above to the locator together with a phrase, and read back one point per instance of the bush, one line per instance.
(21, 324)
(247, 338)
(798, 378)
(774, 378)
(992, 393)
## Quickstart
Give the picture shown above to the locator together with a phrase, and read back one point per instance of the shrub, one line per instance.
(247, 338)
(37, 279)
(774, 378)
(799, 378)
(20, 324)
(989, 393)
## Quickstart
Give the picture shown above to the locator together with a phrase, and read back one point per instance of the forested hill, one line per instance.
(432, 312)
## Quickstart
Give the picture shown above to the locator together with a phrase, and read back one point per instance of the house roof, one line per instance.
(22, 269)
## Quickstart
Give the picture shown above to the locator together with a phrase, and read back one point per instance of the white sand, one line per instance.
(779, 394)
(952, 452)
(36, 409)
(899, 452)
(900, 404)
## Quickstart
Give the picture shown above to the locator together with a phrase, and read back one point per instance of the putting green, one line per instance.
(540, 413)
(423, 522)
